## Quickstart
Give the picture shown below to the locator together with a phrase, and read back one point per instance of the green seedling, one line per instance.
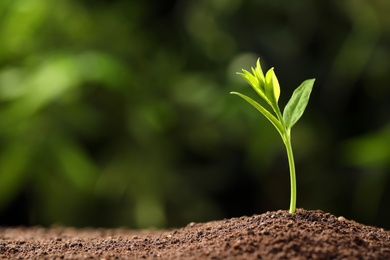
(267, 87)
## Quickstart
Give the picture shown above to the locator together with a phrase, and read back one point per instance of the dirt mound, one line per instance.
(272, 235)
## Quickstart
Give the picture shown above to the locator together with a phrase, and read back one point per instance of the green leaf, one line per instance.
(251, 79)
(258, 72)
(297, 104)
(264, 111)
(255, 82)
(272, 88)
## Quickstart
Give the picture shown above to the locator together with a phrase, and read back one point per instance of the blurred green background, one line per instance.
(118, 113)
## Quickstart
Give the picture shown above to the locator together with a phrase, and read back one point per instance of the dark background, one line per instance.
(118, 113)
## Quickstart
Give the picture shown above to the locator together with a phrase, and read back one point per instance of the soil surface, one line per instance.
(272, 235)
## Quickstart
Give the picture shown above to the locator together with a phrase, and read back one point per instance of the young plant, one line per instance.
(267, 87)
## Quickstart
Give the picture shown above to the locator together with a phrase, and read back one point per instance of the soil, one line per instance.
(272, 235)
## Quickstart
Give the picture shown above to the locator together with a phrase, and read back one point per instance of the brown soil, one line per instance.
(273, 235)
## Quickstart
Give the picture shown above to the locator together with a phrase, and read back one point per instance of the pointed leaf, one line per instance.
(297, 104)
(258, 72)
(252, 80)
(272, 88)
(262, 110)
(255, 83)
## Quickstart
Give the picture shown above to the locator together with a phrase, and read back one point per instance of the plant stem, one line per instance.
(290, 156)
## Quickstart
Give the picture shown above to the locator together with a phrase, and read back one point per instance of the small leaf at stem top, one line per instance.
(251, 79)
(259, 74)
(297, 104)
(255, 80)
(272, 88)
